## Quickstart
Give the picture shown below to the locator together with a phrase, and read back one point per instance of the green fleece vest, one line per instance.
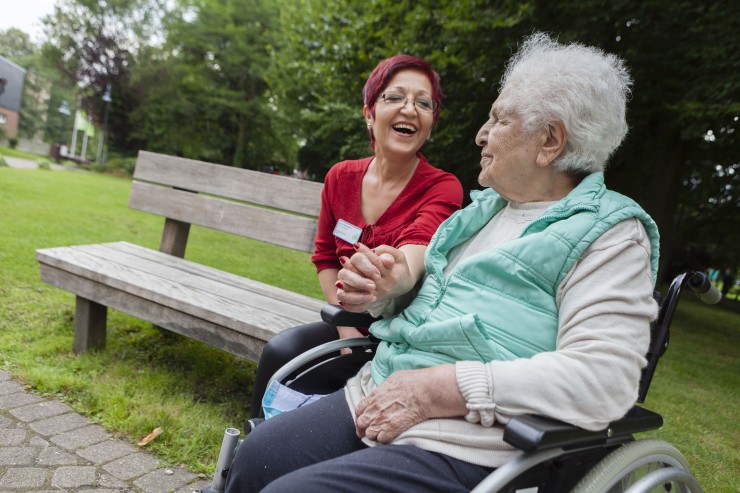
(500, 304)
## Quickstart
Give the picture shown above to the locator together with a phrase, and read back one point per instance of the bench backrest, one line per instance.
(272, 208)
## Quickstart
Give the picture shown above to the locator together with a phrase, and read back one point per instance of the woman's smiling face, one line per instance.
(508, 154)
(402, 130)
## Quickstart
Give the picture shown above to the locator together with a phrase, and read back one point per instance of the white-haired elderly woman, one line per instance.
(537, 299)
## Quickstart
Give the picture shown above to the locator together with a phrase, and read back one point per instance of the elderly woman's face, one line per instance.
(509, 153)
(403, 128)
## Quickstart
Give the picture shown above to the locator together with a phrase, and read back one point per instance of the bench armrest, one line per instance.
(536, 433)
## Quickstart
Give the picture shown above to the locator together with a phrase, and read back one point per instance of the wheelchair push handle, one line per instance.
(703, 288)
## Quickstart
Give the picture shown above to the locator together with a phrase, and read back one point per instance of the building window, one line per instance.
(3, 119)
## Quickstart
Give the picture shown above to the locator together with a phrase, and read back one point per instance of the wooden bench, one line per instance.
(221, 309)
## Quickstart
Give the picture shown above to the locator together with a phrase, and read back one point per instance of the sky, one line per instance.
(25, 15)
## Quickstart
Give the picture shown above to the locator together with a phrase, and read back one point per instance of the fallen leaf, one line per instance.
(151, 436)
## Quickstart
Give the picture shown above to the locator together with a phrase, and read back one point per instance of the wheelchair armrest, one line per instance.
(536, 433)
(338, 316)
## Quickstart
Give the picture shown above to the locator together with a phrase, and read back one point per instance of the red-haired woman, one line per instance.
(394, 197)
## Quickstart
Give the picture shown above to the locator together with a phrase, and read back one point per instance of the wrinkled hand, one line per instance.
(394, 407)
(370, 276)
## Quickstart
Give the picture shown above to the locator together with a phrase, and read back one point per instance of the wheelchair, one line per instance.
(555, 456)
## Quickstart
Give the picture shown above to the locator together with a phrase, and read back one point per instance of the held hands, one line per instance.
(373, 276)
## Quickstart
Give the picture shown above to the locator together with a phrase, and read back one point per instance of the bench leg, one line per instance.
(89, 325)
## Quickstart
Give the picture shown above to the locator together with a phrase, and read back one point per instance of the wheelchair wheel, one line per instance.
(642, 466)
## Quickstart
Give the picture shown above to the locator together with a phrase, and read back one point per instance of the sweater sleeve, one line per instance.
(325, 254)
(438, 199)
(605, 309)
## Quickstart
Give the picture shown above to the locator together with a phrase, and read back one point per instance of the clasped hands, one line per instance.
(371, 278)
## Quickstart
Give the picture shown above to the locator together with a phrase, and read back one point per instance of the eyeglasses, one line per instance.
(398, 100)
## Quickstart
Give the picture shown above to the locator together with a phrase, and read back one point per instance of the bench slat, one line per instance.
(246, 308)
(226, 278)
(280, 192)
(235, 342)
(268, 225)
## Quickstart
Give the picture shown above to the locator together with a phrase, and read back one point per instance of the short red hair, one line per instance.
(386, 70)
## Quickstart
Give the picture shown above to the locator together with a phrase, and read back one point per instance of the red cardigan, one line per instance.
(429, 198)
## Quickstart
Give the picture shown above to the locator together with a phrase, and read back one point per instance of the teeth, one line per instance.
(403, 126)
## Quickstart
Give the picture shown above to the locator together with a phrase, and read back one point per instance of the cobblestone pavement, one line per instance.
(46, 447)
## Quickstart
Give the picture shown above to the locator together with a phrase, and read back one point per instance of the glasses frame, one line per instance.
(406, 99)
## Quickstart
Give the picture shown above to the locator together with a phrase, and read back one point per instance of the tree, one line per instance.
(680, 159)
(41, 88)
(330, 47)
(204, 95)
(93, 44)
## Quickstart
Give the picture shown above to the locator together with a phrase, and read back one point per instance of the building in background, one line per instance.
(11, 94)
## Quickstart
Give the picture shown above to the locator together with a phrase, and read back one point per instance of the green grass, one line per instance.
(146, 378)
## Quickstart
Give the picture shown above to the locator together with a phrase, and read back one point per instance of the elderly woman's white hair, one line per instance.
(581, 86)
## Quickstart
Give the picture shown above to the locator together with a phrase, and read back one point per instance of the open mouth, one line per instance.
(405, 129)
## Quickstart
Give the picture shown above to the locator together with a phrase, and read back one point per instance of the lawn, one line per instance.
(147, 378)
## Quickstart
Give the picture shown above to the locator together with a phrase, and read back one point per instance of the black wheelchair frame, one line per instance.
(556, 456)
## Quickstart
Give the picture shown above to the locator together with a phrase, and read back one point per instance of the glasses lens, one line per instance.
(398, 100)
(394, 99)
(424, 104)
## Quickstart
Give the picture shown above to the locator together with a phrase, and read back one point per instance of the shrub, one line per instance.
(120, 166)
(43, 164)
(13, 142)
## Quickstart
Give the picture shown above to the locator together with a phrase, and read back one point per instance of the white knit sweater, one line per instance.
(605, 307)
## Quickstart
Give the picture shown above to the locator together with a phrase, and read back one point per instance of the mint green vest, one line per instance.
(500, 304)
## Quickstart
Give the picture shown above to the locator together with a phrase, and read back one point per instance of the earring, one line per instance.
(369, 125)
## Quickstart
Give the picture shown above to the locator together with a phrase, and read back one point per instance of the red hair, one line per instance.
(386, 70)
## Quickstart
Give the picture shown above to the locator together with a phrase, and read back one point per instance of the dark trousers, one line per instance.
(283, 348)
(315, 449)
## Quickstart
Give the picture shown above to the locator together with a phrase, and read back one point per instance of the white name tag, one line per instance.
(347, 232)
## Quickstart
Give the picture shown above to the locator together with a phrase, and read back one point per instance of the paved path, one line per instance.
(19, 162)
(46, 447)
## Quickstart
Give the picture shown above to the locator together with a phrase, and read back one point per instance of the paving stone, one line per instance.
(164, 480)
(107, 481)
(117, 490)
(17, 456)
(106, 451)
(59, 424)
(39, 442)
(10, 387)
(40, 410)
(194, 487)
(54, 456)
(12, 437)
(81, 437)
(5, 422)
(23, 477)
(17, 400)
(132, 466)
(4, 375)
(74, 477)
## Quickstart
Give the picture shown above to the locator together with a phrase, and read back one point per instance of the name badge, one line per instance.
(347, 232)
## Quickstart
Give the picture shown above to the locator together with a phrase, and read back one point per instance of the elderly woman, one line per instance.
(537, 299)
(394, 197)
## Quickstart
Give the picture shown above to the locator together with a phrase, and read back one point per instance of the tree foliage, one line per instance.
(38, 116)
(680, 160)
(329, 48)
(203, 95)
(252, 82)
